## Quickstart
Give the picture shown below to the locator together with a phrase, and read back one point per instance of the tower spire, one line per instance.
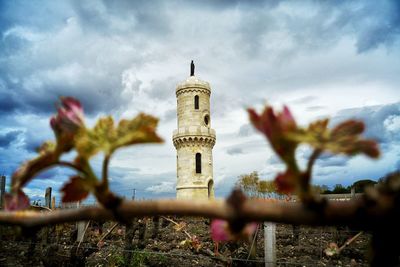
(192, 68)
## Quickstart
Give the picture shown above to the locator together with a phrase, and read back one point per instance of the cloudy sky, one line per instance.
(338, 59)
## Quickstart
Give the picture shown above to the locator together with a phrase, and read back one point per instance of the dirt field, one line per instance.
(57, 246)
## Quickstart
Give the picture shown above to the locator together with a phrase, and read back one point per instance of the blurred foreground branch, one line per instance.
(357, 212)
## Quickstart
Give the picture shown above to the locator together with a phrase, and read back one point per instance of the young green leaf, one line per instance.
(47, 147)
(91, 141)
(106, 138)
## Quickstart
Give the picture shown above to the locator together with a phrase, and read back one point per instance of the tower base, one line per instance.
(201, 193)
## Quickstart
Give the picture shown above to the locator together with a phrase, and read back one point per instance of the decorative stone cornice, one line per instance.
(193, 140)
(180, 91)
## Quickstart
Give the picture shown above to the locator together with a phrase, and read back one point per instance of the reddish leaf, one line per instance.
(69, 116)
(75, 189)
(348, 128)
(369, 148)
(17, 201)
(277, 128)
(67, 122)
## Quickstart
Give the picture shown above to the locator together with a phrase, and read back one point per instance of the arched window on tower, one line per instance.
(198, 163)
(196, 102)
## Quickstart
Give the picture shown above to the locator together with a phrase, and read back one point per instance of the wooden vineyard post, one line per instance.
(47, 197)
(156, 225)
(2, 190)
(80, 227)
(53, 203)
(269, 244)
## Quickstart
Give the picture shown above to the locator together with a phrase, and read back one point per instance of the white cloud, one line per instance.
(163, 187)
(392, 123)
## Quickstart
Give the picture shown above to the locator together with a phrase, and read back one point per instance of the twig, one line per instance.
(106, 161)
(108, 232)
(177, 224)
(349, 241)
(312, 160)
(254, 240)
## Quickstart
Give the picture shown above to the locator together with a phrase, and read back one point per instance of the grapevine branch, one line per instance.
(357, 212)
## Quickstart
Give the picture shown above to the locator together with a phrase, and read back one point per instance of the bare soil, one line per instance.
(57, 246)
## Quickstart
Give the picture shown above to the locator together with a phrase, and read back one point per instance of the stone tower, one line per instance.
(194, 140)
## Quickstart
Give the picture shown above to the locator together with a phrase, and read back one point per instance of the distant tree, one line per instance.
(340, 189)
(321, 189)
(266, 187)
(360, 185)
(249, 183)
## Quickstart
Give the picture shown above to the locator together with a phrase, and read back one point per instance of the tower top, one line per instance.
(192, 68)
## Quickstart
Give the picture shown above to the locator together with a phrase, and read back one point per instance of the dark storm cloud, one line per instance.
(33, 13)
(324, 172)
(324, 160)
(96, 92)
(7, 138)
(145, 17)
(332, 161)
(372, 24)
(228, 4)
(65, 64)
(8, 103)
(382, 28)
(162, 89)
(52, 173)
(32, 143)
(382, 122)
(37, 84)
(321, 24)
